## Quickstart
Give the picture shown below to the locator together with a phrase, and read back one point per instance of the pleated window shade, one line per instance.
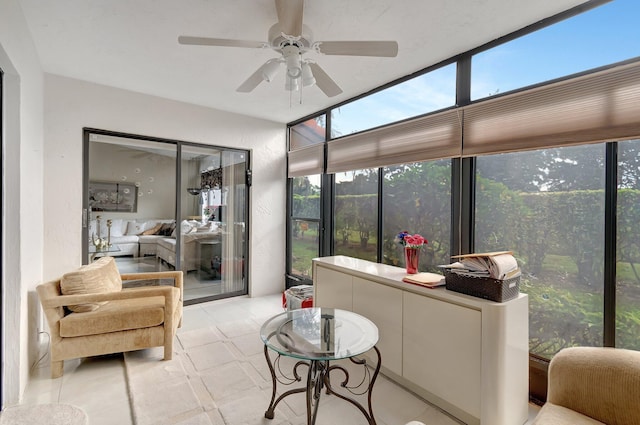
(598, 107)
(431, 137)
(306, 161)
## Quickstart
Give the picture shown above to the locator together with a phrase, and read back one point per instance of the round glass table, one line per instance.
(316, 337)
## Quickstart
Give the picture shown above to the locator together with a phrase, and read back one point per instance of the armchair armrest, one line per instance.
(66, 300)
(175, 275)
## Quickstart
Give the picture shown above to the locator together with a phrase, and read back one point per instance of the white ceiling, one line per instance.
(133, 44)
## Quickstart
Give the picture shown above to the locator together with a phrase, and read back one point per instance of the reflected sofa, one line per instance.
(166, 249)
(130, 235)
(592, 385)
(157, 237)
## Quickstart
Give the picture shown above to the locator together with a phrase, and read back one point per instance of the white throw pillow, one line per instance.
(135, 228)
(116, 227)
(185, 227)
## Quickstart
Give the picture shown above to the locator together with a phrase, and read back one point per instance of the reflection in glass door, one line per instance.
(213, 221)
(132, 203)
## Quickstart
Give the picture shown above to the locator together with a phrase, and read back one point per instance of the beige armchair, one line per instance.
(89, 313)
(591, 385)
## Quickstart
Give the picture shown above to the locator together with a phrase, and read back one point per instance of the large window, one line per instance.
(547, 207)
(307, 133)
(530, 173)
(356, 214)
(598, 37)
(426, 93)
(417, 198)
(628, 246)
(304, 224)
(305, 163)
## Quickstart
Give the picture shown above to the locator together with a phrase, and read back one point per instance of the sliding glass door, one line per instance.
(156, 204)
(213, 220)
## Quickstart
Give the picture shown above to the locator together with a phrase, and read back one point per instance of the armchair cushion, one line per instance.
(592, 385)
(98, 277)
(555, 415)
(117, 315)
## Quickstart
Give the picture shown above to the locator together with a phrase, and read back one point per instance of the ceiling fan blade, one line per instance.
(255, 79)
(290, 16)
(206, 41)
(323, 81)
(358, 48)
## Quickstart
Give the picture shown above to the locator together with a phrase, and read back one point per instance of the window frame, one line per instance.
(463, 181)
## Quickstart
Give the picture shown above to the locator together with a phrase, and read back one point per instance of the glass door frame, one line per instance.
(87, 132)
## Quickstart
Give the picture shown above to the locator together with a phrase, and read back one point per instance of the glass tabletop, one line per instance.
(319, 334)
(111, 248)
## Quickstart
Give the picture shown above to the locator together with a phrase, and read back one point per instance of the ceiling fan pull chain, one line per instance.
(290, 94)
(301, 94)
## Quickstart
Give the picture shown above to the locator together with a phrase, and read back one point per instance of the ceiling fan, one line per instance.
(292, 39)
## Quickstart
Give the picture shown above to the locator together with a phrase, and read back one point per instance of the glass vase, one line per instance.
(411, 259)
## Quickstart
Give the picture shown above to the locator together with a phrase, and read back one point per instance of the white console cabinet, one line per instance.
(383, 305)
(467, 355)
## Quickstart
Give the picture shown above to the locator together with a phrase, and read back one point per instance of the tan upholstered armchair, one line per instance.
(89, 313)
(591, 385)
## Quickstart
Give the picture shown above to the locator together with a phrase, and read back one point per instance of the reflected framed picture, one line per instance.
(113, 196)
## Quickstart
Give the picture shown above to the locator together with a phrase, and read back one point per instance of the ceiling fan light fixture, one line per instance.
(292, 59)
(307, 75)
(294, 71)
(291, 38)
(270, 70)
(292, 84)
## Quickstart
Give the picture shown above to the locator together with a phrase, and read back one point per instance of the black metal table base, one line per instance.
(318, 378)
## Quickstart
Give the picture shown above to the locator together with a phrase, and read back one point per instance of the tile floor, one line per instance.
(98, 384)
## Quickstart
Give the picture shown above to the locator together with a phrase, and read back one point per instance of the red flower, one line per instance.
(419, 240)
(414, 241)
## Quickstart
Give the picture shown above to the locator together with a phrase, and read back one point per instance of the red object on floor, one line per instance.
(300, 296)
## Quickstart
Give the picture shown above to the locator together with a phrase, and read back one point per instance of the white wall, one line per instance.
(71, 105)
(22, 198)
(112, 163)
(43, 180)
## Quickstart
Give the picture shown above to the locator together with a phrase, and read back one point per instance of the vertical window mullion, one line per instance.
(380, 217)
(610, 242)
(326, 215)
(466, 205)
(463, 81)
(463, 178)
(326, 197)
(289, 214)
